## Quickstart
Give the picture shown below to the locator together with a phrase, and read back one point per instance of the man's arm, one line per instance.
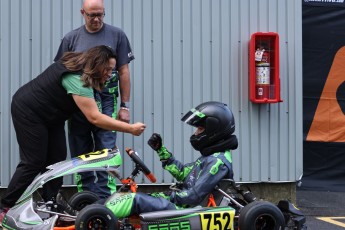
(125, 91)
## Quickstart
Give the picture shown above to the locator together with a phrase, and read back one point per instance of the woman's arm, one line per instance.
(89, 108)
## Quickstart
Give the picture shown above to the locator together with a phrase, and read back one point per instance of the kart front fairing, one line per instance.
(104, 160)
(23, 215)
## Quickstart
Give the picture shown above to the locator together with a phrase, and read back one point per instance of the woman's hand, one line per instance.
(137, 128)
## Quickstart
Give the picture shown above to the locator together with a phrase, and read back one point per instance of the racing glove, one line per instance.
(156, 143)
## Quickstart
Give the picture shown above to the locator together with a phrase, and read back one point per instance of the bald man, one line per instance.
(84, 137)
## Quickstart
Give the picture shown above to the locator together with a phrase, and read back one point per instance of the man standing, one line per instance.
(84, 137)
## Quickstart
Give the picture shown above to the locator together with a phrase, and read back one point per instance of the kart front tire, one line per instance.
(80, 200)
(96, 216)
(261, 215)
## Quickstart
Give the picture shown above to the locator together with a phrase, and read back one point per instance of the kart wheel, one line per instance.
(261, 215)
(81, 199)
(96, 216)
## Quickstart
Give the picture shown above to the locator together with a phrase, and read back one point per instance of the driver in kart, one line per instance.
(214, 139)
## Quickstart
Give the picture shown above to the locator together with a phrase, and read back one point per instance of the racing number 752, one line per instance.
(217, 221)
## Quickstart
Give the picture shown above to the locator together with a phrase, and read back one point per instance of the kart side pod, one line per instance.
(192, 218)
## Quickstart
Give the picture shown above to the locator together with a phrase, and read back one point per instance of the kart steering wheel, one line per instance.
(141, 164)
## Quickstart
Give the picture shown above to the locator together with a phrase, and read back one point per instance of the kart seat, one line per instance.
(223, 185)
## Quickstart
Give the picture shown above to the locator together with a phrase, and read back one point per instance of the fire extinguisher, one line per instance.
(262, 67)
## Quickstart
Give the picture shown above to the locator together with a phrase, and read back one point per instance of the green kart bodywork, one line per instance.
(192, 218)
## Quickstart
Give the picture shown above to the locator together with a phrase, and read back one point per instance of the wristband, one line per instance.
(124, 108)
(125, 104)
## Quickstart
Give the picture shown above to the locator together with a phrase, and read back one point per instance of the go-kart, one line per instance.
(228, 207)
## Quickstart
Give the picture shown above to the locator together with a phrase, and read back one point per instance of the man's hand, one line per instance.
(123, 115)
(155, 141)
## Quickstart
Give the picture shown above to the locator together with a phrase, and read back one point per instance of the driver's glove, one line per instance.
(156, 143)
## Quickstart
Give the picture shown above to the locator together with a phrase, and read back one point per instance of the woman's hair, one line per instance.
(93, 64)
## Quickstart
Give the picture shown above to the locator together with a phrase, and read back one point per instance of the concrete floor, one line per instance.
(324, 210)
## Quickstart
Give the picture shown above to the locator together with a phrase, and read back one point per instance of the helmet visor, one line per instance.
(193, 117)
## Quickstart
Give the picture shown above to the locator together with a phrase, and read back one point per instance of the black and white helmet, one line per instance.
(216, 118)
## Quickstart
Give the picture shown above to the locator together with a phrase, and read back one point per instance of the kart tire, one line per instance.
(96, 216)
(81, 199)
(261, 215)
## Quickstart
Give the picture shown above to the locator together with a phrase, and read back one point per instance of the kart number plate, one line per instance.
(93, 155)
(217, 220)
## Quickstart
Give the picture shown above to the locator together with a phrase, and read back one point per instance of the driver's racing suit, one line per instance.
(198, 179)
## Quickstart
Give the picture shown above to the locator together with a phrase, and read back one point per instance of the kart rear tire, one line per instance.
(96, 216)
(261, 215)
(80, 200)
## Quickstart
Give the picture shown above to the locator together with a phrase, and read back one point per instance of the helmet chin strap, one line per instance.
(226, 144)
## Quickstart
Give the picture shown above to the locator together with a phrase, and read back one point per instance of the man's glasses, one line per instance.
(93, 16)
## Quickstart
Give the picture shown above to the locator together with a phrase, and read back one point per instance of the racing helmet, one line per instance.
(217, 120)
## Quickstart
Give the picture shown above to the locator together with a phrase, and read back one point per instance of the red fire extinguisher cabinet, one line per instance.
(264, 80)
